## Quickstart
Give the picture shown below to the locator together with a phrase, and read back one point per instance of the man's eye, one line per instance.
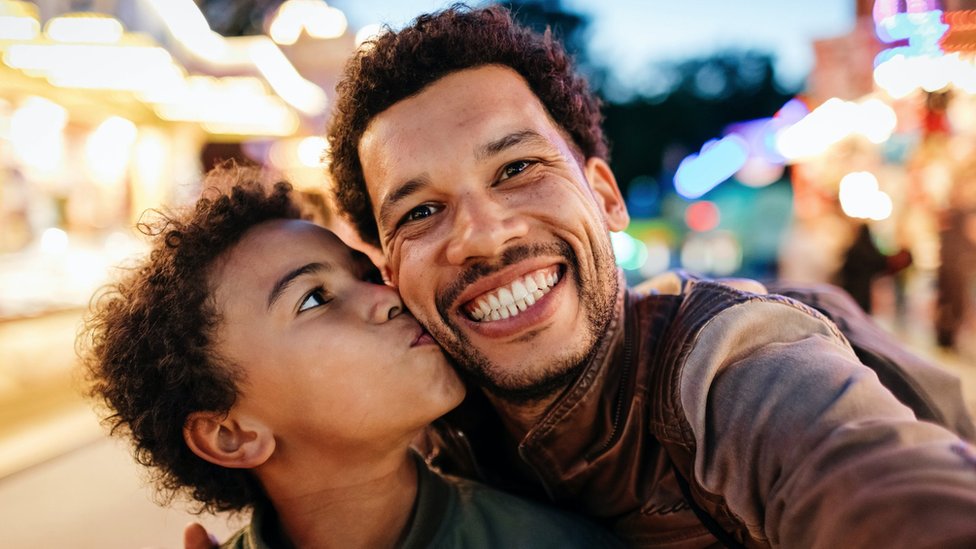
(515, 168)
(420, 212)
(315, 298)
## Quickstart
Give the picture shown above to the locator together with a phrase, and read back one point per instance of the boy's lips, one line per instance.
(423, 338)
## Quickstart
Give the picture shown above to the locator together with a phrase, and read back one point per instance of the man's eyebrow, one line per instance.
(285, 281)
(397, 196)
(516, 138)
(481, 153)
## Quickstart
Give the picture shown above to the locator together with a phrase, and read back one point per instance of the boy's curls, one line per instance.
(147, 341)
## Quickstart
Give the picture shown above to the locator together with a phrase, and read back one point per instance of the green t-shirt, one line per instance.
(456, 512)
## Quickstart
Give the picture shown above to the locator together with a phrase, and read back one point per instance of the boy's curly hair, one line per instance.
(147, 342)
(397, 65)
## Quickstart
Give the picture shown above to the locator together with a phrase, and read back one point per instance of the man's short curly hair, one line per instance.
(397, 65)
(147, 344)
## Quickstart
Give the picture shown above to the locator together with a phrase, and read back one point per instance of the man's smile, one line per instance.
(511, 299)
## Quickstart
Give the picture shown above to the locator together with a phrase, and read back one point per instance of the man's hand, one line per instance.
(195, 536)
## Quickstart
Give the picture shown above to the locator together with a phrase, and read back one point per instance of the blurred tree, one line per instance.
(572, 29)
(569, 27)
(649, 135)
(237, 17)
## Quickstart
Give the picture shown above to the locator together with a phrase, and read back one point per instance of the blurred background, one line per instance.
(819, 141)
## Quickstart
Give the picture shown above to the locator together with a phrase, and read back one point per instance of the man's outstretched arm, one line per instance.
(809, 449)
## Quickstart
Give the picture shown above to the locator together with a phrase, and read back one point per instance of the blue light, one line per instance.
(642, 197)
(923, 30)
(718, 160)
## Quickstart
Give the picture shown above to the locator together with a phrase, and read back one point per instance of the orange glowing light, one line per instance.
(702, 216)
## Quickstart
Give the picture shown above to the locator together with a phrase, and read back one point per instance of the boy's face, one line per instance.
(327, 351)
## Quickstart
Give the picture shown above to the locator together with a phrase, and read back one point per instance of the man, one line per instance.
(467, 148)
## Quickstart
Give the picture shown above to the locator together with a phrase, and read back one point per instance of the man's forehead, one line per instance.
(452, 124)
(470, 103)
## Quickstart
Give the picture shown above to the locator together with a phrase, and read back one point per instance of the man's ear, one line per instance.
(607, 193)
(228, 441)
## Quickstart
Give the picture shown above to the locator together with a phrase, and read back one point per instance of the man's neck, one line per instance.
(352, 509)
(519, 418)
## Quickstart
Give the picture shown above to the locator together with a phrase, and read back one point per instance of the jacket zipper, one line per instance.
(621, 394)
(618, 410)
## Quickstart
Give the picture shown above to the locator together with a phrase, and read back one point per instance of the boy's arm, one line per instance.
(195, 536)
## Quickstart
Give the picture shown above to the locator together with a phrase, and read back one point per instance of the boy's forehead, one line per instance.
(287, 240)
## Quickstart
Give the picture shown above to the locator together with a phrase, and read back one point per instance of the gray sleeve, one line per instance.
(809, 449)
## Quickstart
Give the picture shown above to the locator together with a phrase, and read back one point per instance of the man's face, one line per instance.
(496, 235)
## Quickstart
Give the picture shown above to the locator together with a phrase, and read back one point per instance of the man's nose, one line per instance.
(383, 303)
(482, 227)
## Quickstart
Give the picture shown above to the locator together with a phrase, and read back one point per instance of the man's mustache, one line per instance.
(481, 268)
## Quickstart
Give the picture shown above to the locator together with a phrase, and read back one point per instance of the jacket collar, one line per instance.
(573, 425)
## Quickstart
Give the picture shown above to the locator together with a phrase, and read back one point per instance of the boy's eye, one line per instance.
(514, 168)
(315, 298)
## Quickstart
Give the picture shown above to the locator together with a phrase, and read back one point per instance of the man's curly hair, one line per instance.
(397, 65)
(147, 344)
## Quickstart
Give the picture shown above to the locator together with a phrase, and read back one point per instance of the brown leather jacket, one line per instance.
(787, 439)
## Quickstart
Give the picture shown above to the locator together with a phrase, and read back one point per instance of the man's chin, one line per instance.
(520, 388)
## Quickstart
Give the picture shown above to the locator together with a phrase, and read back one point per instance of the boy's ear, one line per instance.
(607, 193)
(228, 441)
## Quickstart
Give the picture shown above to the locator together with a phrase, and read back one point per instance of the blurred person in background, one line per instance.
(956, 275)
(256, 362)
(864, 263)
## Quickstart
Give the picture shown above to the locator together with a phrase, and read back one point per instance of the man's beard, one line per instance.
(597, 296)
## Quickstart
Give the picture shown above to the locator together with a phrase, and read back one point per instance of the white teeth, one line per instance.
(509, 301)
(505, 297)
(518, 290)
(540, 281)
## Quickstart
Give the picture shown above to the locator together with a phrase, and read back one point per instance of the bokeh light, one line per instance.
(702, 216)
(630, 252)
(861, 198)
(718, 160)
